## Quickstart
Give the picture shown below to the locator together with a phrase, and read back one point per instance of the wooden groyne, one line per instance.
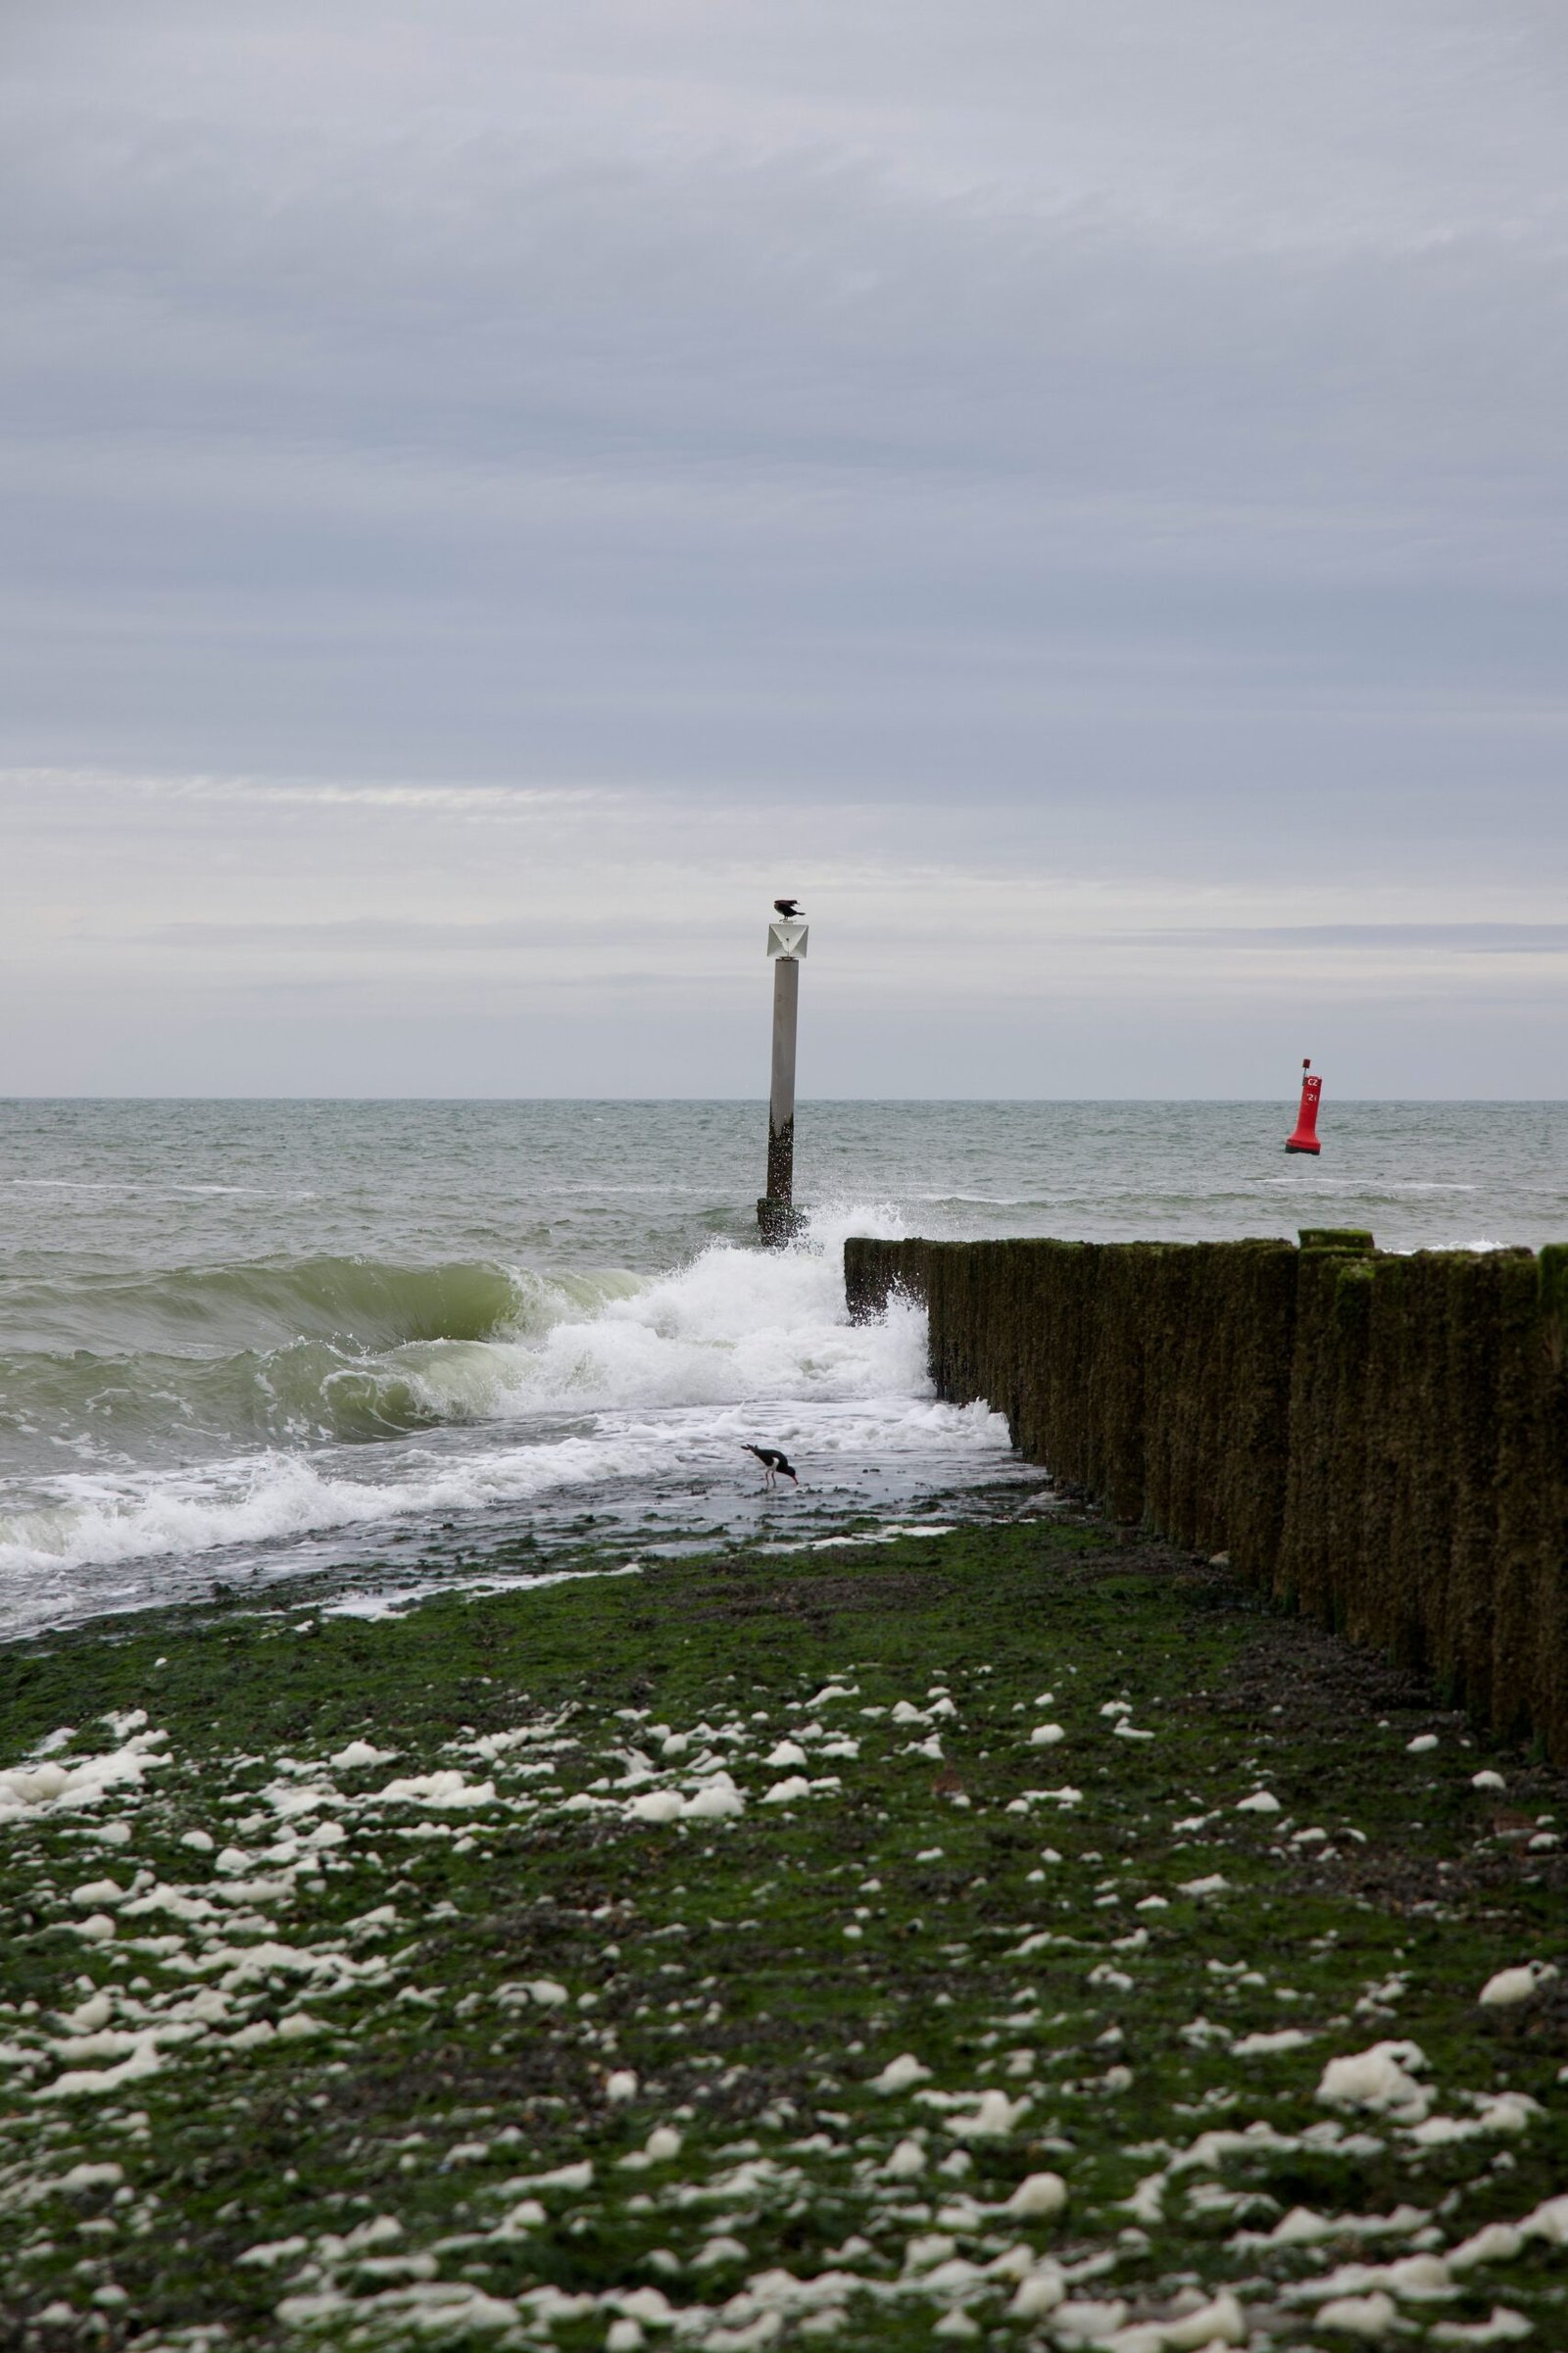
(1381, 1440)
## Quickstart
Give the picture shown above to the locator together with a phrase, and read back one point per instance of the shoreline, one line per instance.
(418, 1985)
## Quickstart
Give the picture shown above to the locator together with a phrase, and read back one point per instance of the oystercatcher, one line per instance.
(775, 1466)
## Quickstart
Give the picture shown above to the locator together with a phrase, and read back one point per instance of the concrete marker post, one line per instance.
(777, 1217)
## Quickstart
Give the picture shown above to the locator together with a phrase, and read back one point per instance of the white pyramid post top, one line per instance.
(786, 937)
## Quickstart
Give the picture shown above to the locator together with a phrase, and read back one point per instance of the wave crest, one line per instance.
(351, 1301)
(474, 1346)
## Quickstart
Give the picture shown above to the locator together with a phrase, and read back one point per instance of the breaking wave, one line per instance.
(564, 1381)
(363, 1302)
(333, 1349)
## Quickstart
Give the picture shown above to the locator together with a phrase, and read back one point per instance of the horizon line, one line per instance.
(759, 1102)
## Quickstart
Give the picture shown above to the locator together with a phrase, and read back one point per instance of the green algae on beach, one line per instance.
(1011, 1934)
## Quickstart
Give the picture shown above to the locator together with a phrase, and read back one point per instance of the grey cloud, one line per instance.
(416, 936)
(1463, 939)
(1135, 430)
(351, 936)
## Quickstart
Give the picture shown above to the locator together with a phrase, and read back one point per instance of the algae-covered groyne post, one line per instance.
(1382, 1439)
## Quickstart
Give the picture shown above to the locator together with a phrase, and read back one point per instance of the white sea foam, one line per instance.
(734, 1324)
(662, 1385)
(277, 1497)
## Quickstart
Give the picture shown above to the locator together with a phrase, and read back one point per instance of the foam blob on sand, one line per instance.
(1038, 2197)
(1511, 1986)
(1381, 2080)
(900, 2074)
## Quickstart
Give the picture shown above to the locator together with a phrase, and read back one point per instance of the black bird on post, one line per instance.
(788, 909)
(775, 1466)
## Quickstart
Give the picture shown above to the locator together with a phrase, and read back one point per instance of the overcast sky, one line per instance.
(494, 491)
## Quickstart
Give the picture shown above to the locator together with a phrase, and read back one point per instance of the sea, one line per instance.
(385, 1345)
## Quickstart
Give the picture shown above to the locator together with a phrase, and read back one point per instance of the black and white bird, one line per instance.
(775, 1466)
(788, 909)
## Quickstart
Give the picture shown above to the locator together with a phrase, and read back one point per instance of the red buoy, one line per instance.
(1306, 1136)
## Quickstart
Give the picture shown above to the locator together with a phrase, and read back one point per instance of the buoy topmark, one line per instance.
(1306, 1136)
